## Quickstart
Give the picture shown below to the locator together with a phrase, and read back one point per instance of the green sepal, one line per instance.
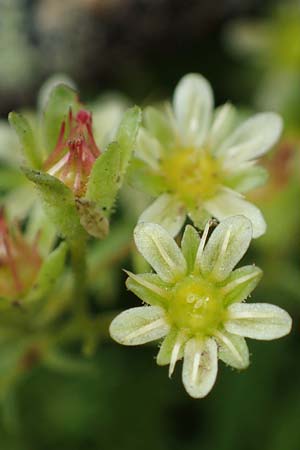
(48, 274)
(149, 288)
(59, 203)
(189, 246)
(27, 139)
(166, 348)
(110, 168)
(61, 99)
(144, 179)
(236, 291)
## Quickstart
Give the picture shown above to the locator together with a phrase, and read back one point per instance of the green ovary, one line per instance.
(196, 306)
(191, 174)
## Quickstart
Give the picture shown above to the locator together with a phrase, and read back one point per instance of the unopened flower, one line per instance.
(75, 153)
(20, 261)
(197, 301)
(198, 163)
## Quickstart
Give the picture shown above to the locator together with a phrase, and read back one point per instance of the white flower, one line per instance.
(196, 301)
(198, 162)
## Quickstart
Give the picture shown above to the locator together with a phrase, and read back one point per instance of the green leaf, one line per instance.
(48, 274)
(61, 99)
(27, 139)
(109, 169)
(59, 203)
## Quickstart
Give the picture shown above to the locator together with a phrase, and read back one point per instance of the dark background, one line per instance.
(142, 48)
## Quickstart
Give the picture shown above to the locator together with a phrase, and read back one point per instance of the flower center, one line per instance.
(192, 175)
(75, 153)
(196, 306)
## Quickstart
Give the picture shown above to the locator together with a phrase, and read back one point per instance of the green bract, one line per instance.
(199, 163)
(196, 301)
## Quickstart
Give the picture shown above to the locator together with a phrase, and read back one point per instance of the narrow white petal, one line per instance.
(226, 204)
(167, 212)
(161, 251)
(158, 125)
(253, 138)
(233, 350)
(200, 366)
(226, 246)
(258, 321)
(139, 325)
(222, 125)
(193, 103)
(149, 149)
(202, 244)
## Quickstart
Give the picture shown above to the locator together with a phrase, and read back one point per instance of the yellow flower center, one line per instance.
(193, 175)
(196, 306)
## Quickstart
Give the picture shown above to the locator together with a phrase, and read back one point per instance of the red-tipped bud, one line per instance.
(75, 153)
(19, 261)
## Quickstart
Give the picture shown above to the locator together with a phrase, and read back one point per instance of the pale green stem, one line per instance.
(78, 263)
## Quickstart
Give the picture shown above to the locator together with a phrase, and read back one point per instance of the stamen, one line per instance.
(75, 153)
(164, 254)
(175, 353)
(202, 243)
(223, 250)
(196, 363)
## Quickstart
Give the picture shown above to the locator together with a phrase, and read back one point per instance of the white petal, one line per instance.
(226, 204)
(247, 179)
(258, 321)
(226, 246)
(252, 139)
(149, 149)
(139, 325)
(167, 212)
(233, 350)
(159, 126)
(161, 251)
(200, 366)
(193, 103)
(222, 124)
